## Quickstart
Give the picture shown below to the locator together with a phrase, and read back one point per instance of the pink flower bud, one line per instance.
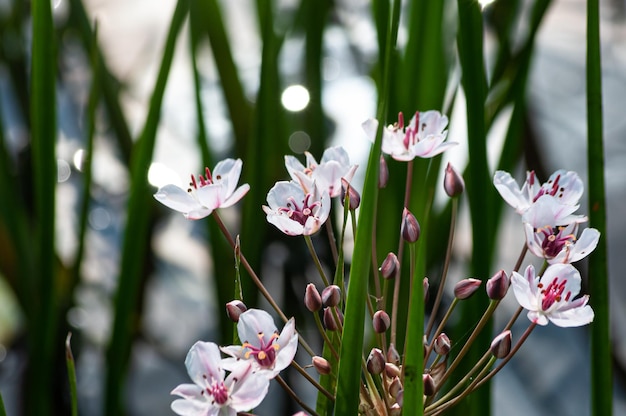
(390, 267)
(429, 385)
(353, 195)
(321, 365)
(312, 298)
(395, 387)
(383, 173)
(331, 295)
(410, 227)
(329, 319)
(381, 321)
(392, 355)
(501, 345)
(466, 288)
(392, 370)
(498, 285)
(442, 344)
(234, 308)
(375, 361)
(453, 182)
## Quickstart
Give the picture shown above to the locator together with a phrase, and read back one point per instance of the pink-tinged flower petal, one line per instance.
(551, 297)
(207, 192)
(203, 360)
(189, 407)
(580, 249)
(248, 393)
(547, 211)
(187, 391)
(179, 200)
(510, 191)
(254, 322)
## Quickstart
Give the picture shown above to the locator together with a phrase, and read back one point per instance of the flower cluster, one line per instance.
(301, 205)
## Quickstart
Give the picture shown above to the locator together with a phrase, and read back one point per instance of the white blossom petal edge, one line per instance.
(551, 297)
(211, 393)
(206, 193)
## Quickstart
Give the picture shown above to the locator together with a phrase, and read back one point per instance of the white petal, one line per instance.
(177, 199)
(565, 272)
(190, 407)
(203, 359)
(337, 154)
(187, 391)
(522, 291)
(253, 322)
(572, 317)
(370, 126)
(584, 245)
(249, 390)
(284, 223)
(235, 196)
(510, 191)
(538, 318)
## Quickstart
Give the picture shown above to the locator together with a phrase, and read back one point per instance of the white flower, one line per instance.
(551, 297)
(211, 393)
(334, 165)
(559, 244)
(206, 193)
(565, 187)
(297, 208)
(424, 136)
(267, 350)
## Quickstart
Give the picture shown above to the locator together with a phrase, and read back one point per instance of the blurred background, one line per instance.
(150, 92)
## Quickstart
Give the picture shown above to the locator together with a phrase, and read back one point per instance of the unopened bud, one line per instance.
(353, 196)
(390, 267)
(442, 344)
(498, 285)
(381, 321)
(395, 387)
(466, 288)
(429, 385)
(400, 399)
(321, 365)
(410, 227)
(383, 173)
(392, 355)
(234, 308)
(375, 361)
(395, 410)
(312, 298)
(453, 182)
(331, 295)
(501, 345)
(329, 319)
(392, 370)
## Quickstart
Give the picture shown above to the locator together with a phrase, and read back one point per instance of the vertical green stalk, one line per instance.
(350, 355)
(136, 234)
(470, 47)
(601, 377)
(71, 374)
(43, 116)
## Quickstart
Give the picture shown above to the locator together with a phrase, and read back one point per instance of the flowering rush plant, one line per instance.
(370, 369)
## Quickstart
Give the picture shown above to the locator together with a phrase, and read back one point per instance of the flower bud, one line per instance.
(453, 182)
(501, 345)
(410, 227)
(466, 288)
(392, 355)
(395, 387)
(442, 344)
(383, 173)
(312, 298)
(353, 195)
(390, 267)
(329, 319)
(429, 385)
(375, 361)
(234, 308)
(392, 370)
(331, 295)
(381, 321)
(395, 410)
(321, 365)
(498, 285)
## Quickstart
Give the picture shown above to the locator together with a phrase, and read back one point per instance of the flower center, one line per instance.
(300, 214)
(217, 390)
(203, 180)
(553, 293)
(265, 353)
(555, 240)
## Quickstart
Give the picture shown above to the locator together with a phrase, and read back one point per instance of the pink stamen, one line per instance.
(265, 355)
(553, 293)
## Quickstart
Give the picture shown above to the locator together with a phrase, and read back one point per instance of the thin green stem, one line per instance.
(71, 373)
(294, 396)
(316, 260)
(320, 327)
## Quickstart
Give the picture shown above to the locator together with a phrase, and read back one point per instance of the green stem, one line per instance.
(316, 260)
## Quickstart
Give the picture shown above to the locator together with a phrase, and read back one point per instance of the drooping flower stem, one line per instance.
(442, 324)
(294, 396)
(396, 283)
(316, 260)
(444, 273)
(327, 341)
